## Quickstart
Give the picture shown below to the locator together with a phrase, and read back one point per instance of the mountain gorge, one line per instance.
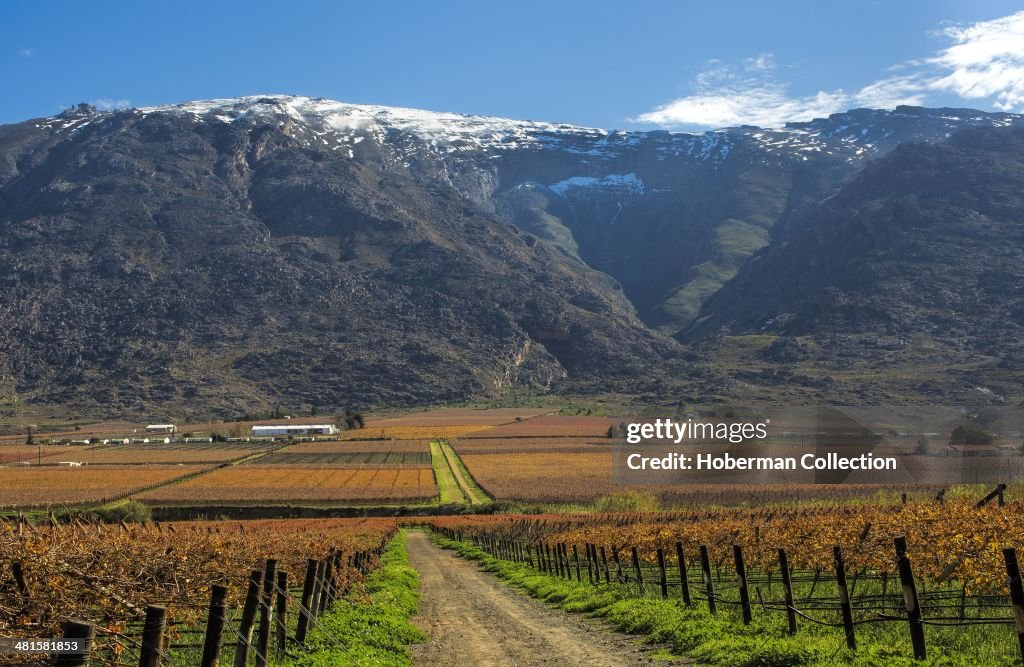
(232, 254)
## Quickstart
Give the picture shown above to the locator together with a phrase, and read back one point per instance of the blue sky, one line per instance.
(678, 65)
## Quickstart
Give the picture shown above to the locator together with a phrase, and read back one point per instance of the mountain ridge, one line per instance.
(575, 253)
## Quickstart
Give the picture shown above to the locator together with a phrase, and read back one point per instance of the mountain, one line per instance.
(912, 272)
(229, 255)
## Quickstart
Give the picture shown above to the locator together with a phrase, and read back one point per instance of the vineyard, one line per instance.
(845, 574)
(282, 484)
(396, 452)
(548, 426)
(578, 470)
(33, 453)
(44, 486)
(121, 579)
(160, 454)
(445, 417)
(542, 476)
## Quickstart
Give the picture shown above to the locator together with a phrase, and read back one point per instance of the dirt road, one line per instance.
(472, 619)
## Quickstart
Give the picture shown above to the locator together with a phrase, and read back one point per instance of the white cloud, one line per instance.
(745, 95)
(107, 104)
(26, 53)
(985, 61)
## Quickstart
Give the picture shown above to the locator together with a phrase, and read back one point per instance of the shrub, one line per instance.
(627, 501)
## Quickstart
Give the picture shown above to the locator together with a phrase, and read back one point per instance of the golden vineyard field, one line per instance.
(51, 485)
(285, 483)
(954, 542)
(108, 574)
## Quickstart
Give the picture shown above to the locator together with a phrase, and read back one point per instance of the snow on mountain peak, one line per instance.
(323, 123)
(454, 131)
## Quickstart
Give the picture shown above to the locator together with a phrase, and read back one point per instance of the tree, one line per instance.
(29, 440)
(969, 435)
(922, 445)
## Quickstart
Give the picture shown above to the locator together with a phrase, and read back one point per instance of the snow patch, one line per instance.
(628, 183)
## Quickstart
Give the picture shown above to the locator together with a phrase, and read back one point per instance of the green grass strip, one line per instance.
(448, 488)
(370, 626)
(469, 487)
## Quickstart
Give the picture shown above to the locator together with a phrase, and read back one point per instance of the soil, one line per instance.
(473, 619)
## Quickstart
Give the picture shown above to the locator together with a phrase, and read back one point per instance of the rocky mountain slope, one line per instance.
(914, 269)
(233, 254)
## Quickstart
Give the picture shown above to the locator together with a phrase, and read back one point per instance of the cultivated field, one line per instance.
(551, 426)
(840, 584)
(156, 454)
(460, 417)
(107, 575)
(258, 484)
(445, 423)
(543, 476)
(400, 452)
(591, 445)
(46, 485)
(380, 431)
(33, 453)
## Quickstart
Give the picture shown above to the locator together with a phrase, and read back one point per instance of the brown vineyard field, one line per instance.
(42, 486)
(145, 454)
(551, 426)
(298, 483)
(33, 453)
(108, 574)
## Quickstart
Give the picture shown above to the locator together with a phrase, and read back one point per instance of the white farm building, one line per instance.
(293, 429)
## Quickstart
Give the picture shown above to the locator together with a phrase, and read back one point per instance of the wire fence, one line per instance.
(832, 599)
(278, 614)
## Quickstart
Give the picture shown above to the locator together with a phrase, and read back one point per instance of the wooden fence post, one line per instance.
(910, 599)
(661, 572)
(576, 557)
(245, 624)
(709, 583)
(636, 569)
(318, 591)
(82, 631)
(1016, 594)
(590, 563)
(305, 615)
(604, 562)
(266, 613)
(153, 636)
(844, 599)
(215, 626)
(787, 587)
(618, 564)
(682, 573)
(741, 580)
(282, 612)
(326, 586)
(995, 493)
